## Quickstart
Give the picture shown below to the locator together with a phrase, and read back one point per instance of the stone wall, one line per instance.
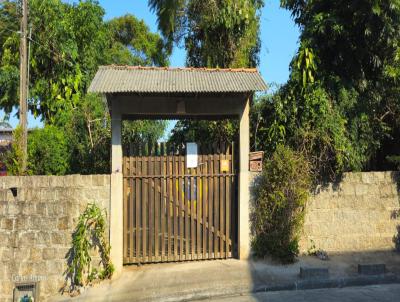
(36, 224)
(358, 214)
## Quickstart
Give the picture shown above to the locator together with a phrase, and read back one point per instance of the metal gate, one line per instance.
(175, 213)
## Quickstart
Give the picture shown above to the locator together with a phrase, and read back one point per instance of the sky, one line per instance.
(279, 40)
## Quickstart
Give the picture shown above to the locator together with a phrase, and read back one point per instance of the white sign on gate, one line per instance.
(191, 155)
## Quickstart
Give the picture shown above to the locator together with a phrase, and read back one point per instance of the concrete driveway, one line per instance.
(205, 279)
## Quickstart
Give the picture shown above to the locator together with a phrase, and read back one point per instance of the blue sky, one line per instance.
(279, 38)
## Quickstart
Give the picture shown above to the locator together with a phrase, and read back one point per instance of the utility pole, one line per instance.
(23, 83)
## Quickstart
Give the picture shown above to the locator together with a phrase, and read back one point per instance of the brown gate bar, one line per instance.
(174, 213)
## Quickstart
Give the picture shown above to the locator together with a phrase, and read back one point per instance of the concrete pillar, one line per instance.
(116, 203)
(116, 140)
(116, 222)
(244, 191)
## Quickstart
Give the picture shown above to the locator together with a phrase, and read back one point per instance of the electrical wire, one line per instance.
(12, 31)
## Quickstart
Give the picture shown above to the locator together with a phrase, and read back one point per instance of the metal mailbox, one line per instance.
(256, 161)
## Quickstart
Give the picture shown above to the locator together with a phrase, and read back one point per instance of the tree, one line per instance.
(13, 158)
(142, 131)
(65, 55)
(215, 34)
(88, 132)
(69, 42)
(133, 44)
(48, 152)
(204, 132)
(356, 48)
(9, 58)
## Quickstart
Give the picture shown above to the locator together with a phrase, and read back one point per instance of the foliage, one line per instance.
(13, 158)
(142, 131)
(340, 106)
(9, 50)
(65, 55)
(48, 152)
(395, 159)
(279, 201)
(69, 42)
(222, 33)
(133, 44)
(90, 233)
(89, 135)
(356, 50)
(215, 34)
(204, 132)
(306, 122)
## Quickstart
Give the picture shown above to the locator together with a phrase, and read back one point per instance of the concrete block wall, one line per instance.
(361, 213)
(36, 224)
(358, 214)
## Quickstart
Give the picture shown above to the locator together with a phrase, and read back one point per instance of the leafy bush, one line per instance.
(394, 159)
(90, 233)
(48, 151)
(308, 122)
(13, 158)
(279, 201)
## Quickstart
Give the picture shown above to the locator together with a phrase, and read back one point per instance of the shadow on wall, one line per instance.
(350, 195)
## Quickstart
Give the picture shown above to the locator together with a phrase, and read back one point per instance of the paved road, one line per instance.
(375, 293)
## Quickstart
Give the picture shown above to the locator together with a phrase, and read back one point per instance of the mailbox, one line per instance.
(256, 161)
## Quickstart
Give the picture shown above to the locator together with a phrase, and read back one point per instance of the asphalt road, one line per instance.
(374, 293)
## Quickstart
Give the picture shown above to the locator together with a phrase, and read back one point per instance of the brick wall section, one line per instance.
(36, 226)
(353, 215)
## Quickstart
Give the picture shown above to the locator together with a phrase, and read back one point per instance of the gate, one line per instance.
(175, 213)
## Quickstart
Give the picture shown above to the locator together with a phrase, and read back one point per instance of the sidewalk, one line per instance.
(205, 279)
(373, 293)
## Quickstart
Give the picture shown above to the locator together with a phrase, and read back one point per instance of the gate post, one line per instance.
(244, 191)
(116, 202)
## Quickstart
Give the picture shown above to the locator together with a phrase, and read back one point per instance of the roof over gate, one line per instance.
(137, 79)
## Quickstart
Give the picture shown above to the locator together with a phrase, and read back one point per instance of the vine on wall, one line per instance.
(89, 235)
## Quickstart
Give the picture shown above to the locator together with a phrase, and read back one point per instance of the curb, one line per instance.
(388, 278)
(332, 283)
(297, 285)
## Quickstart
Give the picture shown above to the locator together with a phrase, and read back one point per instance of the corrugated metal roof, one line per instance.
(120, 79)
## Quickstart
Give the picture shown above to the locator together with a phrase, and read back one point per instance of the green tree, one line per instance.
(303, 115)
(65, 55)
(13, 157)
(69, 42)
(133, 43)
(215, 34)
(88, 132)
(204, 132)
(357, 51)
(142, 131)
(48, 152)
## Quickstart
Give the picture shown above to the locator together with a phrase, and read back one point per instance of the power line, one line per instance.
(12, 31)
